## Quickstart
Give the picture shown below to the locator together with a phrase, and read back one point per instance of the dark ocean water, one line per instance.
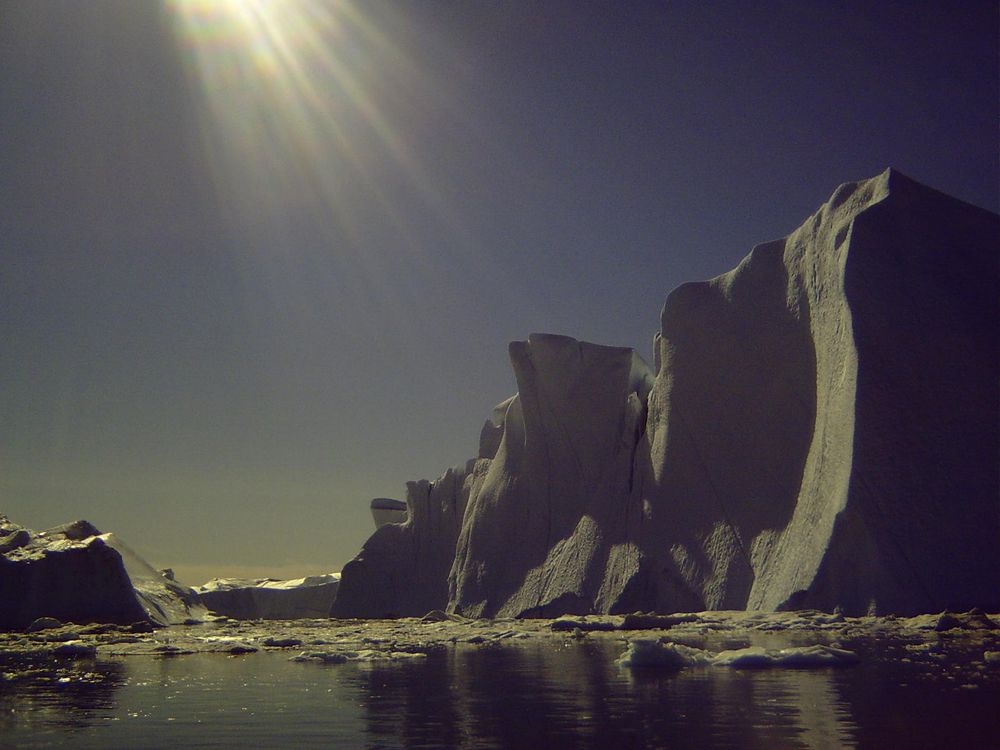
(541, 695)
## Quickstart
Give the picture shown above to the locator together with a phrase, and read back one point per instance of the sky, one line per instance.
(260, 260)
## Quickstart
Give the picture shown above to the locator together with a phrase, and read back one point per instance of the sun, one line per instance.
(300, 98)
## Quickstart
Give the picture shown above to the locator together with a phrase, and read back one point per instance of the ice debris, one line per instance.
(565, 623)
(798, 657)
(74, 649)
(651, 652)
(365, 655)
(281, 642)
(322, 657)
(43, 623)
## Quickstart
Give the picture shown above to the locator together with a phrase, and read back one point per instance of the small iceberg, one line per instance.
(650, 652)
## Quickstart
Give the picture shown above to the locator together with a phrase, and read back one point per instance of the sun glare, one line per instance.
(296, 93)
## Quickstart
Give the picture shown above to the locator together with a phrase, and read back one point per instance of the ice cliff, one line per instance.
(403, 567)
(820, 429)
(75, 573)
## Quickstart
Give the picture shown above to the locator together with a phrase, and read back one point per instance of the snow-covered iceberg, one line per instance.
(269, 598)
(74, 573)
(819, 429)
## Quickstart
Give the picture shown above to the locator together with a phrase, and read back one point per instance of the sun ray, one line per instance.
(296, 93)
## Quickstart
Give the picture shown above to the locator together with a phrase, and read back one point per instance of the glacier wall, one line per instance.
(821, 428)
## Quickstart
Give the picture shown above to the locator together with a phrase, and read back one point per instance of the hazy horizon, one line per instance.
(262, 260)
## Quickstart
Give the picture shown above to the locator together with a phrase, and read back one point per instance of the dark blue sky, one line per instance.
(259, 268)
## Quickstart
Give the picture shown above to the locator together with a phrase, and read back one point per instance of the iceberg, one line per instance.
(818, 430)
(402, 570)
(269, 598)
(74, 573)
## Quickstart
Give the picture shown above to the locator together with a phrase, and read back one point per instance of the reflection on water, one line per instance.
(530, 695)
(62, 695)
(575, 696)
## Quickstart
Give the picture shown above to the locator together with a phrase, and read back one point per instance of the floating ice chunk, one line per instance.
(974, 619)
(744, 658)
(640, 621)
(374, 655)
(365, 655)
(281, 642)
(802, 657)
(322, 657)
(169, 649)
(650, 652)
(436, 615)
(43, 623)
(238, 647)
(75, 648)
(584, 625)
(61, 637)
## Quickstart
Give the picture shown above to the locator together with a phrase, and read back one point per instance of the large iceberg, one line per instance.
(819, 429)
(75, 573)
(402, 570)
(270, 598)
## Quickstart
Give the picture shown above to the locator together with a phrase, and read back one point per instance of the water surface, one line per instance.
(553, 694)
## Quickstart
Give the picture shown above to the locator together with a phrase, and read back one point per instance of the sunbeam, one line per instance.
(305, 101)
